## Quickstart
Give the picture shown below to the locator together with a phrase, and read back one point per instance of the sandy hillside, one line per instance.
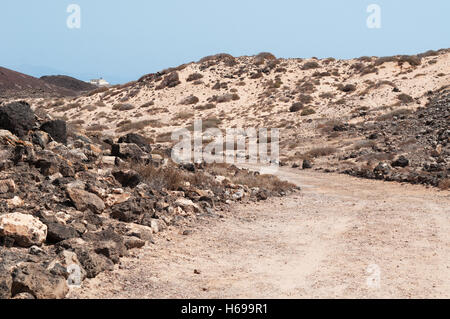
(329, 111)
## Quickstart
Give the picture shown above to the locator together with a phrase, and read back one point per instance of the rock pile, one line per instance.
(416, 144)
(70, 208)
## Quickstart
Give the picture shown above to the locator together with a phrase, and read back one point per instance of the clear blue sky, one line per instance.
(122, 40)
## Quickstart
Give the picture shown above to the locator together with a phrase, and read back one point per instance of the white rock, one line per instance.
(26, 230)
(15, 202)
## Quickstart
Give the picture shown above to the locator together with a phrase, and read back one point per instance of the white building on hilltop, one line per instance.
(99, 82)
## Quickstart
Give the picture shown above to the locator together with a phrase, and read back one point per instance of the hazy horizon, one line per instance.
(122, 41)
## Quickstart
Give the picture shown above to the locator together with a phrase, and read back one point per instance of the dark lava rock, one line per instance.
(58, 232)
(306, 164)
(137, 139)
(127, 151)
(400, 162)
(128, 178)
(35, 279)
(57, 129)
(18, 118)
(136, 210)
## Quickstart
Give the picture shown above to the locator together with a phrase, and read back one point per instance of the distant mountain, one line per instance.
(17, 85)
(69, 83)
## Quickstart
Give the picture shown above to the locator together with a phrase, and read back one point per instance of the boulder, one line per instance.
(57, 129)
(128, 178)
(107, 243)
(17, 117)
(35, 279)
(83, 200)
(92, 263)
(57, 232)
(137, 139)
(187, 205)
(307, 164)
(127, 151)
(400, 162)
(134, 210)
(25, 230)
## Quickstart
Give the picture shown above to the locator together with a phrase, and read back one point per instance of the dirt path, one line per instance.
(323, 242)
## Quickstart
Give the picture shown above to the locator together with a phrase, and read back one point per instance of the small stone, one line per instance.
(7, 186)
(84, 200)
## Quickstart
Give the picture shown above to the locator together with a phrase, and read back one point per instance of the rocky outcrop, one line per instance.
(70, 207)
(18, 118)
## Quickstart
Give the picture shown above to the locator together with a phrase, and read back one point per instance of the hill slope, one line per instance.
(68, 83)
(18, 85)
(319, 105)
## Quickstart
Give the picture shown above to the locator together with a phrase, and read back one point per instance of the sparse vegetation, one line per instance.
(310, 65)
(405, 98)
(296, 107)
(307, 112)
(123, 107)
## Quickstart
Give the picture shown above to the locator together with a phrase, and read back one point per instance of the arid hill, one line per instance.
(18, 85)
(318, 104)
(69, 83)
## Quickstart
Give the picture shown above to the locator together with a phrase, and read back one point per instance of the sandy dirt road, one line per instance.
(340, 237)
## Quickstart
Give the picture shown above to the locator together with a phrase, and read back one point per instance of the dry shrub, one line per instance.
(445, 184)
(296, 107)
(164, 137)
(385, 59)
(68, 107)
(321, 151)
(226, 58)
(328, 126)
(405, 98)
(136, 126)
(305, 99)
(183, 116)
(413, 60)
(256, 75)
(310, 65)
(194, 77)
(307, 112)
(306, 88)
(158, 178)
(89, 108)
(364, 144)
(266, 56)
(148, 104)
(97, 91)
(268, 182)
(391, 115)
(327, 95)
(96, 128)
(211, 122)
(190, 100)
(207, 106)
(348, 88)
(123, 107)
(226, 98)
